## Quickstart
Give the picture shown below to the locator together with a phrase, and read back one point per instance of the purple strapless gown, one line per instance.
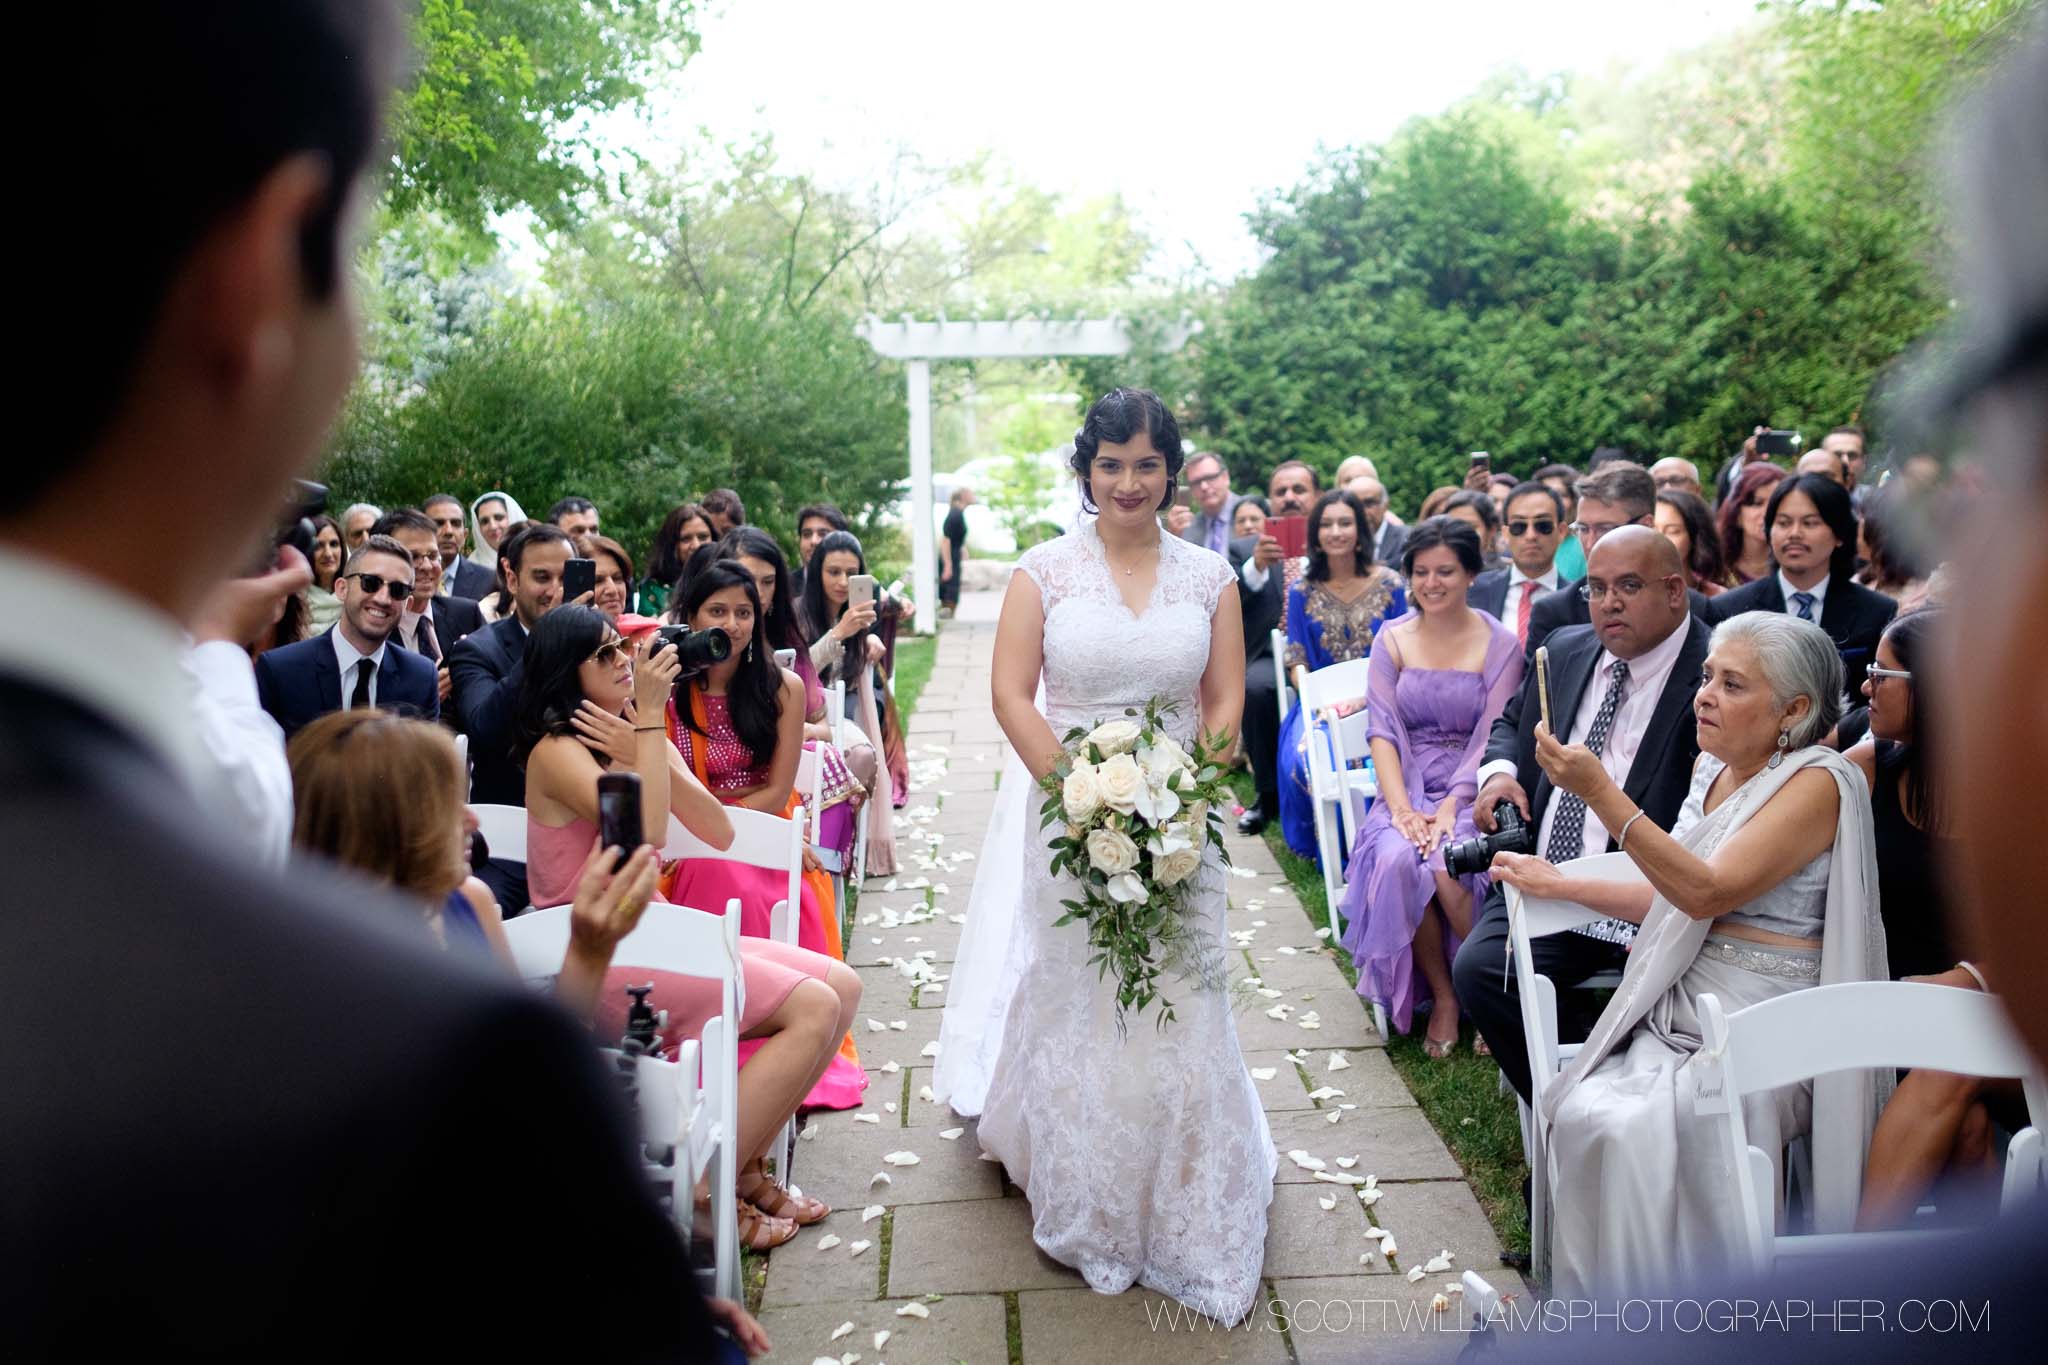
(1387, 886)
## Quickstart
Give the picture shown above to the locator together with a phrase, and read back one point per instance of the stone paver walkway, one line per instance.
(952, 1236)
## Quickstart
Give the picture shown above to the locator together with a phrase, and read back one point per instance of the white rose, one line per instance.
(1177, 866)
(1080, 794)
(1115, 737)
(1111, 851)
(1120, 782)
(1125, 887)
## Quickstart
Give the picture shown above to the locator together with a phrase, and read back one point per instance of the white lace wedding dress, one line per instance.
(1146, 1157)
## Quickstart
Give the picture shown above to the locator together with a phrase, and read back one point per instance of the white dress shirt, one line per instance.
(1646, 678)
(1818, 592)
(345, 654)
(409, 631)
(193, 707)
(1545, 582)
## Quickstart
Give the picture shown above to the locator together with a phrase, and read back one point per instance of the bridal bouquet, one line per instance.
(1136, 811)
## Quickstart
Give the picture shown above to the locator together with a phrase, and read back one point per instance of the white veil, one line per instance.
(479, 552)
(993, 949)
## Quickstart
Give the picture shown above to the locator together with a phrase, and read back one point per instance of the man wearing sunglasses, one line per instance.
(1535, 525)
(356, 662)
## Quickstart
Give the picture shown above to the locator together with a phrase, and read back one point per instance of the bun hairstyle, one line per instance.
(1122, 415)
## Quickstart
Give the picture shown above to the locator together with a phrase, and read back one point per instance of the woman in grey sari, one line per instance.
(1767, 883)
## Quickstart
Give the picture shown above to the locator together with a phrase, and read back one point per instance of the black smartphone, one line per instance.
(1480, 461)
(619, 821)
(579, 576)
(1779, 443)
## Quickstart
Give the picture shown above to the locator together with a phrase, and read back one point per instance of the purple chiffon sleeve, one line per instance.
(1383, 705)
(1502, 678)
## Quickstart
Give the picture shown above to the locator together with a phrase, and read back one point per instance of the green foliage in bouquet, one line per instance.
(1136, 812)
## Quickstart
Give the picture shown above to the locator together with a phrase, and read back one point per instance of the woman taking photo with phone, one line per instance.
(842, 645)
(578, 718)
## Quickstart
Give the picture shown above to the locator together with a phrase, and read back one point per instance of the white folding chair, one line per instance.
(1339, 682)
(1282, 693)
(690, 1107)
(1853, 1026)
(462, 761)
(777, 844)
(845, 734)
(504, 829)
(1531, 918)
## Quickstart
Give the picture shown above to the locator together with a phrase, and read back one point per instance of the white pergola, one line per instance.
(918, 344)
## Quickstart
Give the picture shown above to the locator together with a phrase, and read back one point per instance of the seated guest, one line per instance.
(842, 647)
(491, 516)
(1563, 480)
(1535, 524)
(1625, 691)
(682, 531)
(431, 623)
(496, 605)
(1292, 489)
(1440, 675)
(356, 523)
(1765, 884)
(1618, 493)
(1249, 516)
(813, 524)
(577, 516)
(613, 593)
(323, 608)
(1499, 486)
(1332, 612)
(1813, 543)
(1437, 499)
(485, 671)
(581, 698)
(1825, 463)
(459, 577)
(1885, 541)
(354, 664)
(724, 508)
(739, 726)
(1387, 531)
(1208, 479)
(1909, 811)
(1685, 521)
(1477, 510)
(1261, 601)
(1745, 544)
(1674, 474)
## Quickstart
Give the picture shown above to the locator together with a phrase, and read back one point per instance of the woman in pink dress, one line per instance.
(577, 718)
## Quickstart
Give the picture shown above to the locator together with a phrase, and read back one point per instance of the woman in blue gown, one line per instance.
(1333, 608)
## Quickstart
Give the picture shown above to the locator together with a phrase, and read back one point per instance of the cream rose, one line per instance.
(1080, 794)
(1111, 852)
(1198, 817)
(1177, 866)
(1120, 782)
(1114, 737)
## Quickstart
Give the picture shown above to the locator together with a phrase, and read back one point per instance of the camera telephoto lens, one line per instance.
(695, 650)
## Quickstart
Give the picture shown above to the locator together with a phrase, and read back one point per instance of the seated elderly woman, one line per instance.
(1765, 884)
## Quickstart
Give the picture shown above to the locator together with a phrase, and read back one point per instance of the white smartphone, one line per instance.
(860, 588)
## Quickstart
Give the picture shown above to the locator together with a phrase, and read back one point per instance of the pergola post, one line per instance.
(923, 554)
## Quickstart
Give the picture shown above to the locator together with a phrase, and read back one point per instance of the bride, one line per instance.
(1145, 1155)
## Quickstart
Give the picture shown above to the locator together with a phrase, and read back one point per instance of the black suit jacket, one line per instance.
(312, 1126)
(1489, 593)
(1262, 610)
(1851, 614)
(484, 672)
(1565, 607)
(454, 618)
(473, 582)
(1389, 543)
(300, 683)
(1661, 774)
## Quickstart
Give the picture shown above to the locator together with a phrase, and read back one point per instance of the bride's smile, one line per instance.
(1129, 482)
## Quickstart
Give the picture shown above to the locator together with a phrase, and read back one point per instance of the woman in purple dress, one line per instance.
(1440, 675)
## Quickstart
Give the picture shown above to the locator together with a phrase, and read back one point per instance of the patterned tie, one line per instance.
(1529, 586)
(423, 636)
(1568, 819)
(1218, 534)
(364, 669)
(1804, 601)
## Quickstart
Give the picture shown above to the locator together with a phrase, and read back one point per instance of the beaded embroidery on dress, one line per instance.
(1146, 1159)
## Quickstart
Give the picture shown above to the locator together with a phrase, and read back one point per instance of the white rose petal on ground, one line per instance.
(882, 1339)
(871, 1213)
(1335, 1114)
(1369, 1197)
(1326, 1202)
(931, 1049)
(867, 1118)
(905, 1158)
(1414, 1274)
(1264, 1073)
(856, 1248)
(1347, 1162)
(877, 1026)
(913, 1310)
(1302, 1159)
(889, 1068)
(1339, 1177)
(844, 1329)
(924, 1092)
(828, 1241)
(889, 1105)
(880, 1178)
(1338, 1062)
(1439, 1263)
(899, 1025)
(951, 1133)
(1325, 1092)
(807, 1132)
(1365, 1258)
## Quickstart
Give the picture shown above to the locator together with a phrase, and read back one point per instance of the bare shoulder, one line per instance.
(481, 901)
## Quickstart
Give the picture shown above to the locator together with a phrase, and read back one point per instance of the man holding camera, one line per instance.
(1623, 686)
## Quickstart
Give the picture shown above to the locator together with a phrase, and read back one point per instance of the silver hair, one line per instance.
(1797, 659)
(375, 512)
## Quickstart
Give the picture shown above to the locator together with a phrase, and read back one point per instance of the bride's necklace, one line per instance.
(1133, 566)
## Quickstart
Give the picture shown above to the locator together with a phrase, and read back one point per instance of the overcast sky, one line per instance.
(1191, 109)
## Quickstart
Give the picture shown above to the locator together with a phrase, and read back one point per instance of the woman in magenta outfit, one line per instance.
(1440, 675)
(578, 717)
(738, 726)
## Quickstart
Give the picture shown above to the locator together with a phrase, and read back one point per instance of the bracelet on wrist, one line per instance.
(645, 729)
(1977, 976)
(1621, 839)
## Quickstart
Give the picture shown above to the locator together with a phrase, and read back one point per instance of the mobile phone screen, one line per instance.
(618, 811)
(1291, 532)
(579, 576)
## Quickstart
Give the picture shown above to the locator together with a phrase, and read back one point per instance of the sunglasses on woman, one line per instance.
(610, 652)
(397, 589)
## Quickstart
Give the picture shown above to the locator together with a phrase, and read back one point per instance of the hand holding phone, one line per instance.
(619, 821)
(1291, 532)
(861, 589)
(579, 576)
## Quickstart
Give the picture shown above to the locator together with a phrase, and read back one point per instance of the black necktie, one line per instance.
(364, 668)
(423, 636)
(1568, 827)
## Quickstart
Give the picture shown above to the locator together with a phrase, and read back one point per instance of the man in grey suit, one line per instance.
(1389, 538)
(1215, 504)
(251, 1113)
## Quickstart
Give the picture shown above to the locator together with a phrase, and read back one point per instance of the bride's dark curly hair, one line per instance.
(1122, 415)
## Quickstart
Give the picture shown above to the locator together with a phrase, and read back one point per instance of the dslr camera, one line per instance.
(1470, 857)
(696, 650)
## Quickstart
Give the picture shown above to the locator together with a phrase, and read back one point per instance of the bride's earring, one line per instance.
(1784, 743)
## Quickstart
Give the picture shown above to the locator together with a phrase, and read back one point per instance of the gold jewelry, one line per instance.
(643, 729)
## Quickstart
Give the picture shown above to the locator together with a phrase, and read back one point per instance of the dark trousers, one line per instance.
(507, 881)
(1261, 727)
(1485, 982)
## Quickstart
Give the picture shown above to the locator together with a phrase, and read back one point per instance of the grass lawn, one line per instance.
(1460, 1093)
(915, 655)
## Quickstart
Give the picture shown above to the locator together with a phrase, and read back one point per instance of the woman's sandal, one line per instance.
(762, 1231)
(1438, 1048)
(779, 1203)
(1479, 1047)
